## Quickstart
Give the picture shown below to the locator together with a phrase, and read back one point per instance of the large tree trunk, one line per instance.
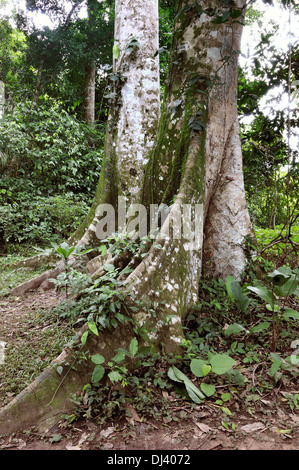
(131, 129)
(195, 169)
(201, 105)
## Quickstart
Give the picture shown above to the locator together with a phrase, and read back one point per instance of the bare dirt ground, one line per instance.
(187, 434)
(269, 425)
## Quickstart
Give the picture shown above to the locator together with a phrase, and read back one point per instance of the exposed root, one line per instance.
(36, 261)
(39, 281)
(43, 402)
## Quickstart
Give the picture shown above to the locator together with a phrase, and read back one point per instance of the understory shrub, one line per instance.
(40, 220)
(49, 151)
(49, 169)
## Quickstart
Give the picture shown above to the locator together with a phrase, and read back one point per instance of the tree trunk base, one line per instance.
(41, 405)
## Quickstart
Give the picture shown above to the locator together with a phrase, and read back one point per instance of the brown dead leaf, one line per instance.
(133, 412)
(107, 432)
(203, 427)
(257, 426)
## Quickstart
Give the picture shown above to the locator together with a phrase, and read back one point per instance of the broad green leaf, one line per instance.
(226, 410)
(173, 376)
(194, 393)
(103, 249)
(242, 301)
(207, 389)
(84, 337)
(282, 272)
(276, 364)
(196, 367)
(206, 368)
(98, 373)
(191, 387)
(133, 346)
(62, 251)
(114, 376)
(221, 363)
(288, 288)
(275, 308)
(71, 250)
(228, 282)
(226, 396)
(119, 357)
(115, 51)
(98, 359)
(234, 329)
(264, 294)
(109, 267)
(274, 368)
(260, 327)
(290, 313)
(93, 328)
(178, 374)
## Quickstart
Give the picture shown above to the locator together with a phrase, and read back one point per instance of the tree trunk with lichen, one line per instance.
(194, 168)
(89, 93)
(131, 129)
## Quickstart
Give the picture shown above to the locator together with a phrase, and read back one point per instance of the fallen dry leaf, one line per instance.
(71, 447)
(133, 412)
(253, 427)
(203, 427)
(83, 438)
(107, 432)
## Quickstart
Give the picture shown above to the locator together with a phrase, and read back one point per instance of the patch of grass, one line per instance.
(12, 277)
(32, 344)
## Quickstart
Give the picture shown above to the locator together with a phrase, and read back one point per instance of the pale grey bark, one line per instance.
(137, 40)
(227, 221)
(135, 112)
(89, 92)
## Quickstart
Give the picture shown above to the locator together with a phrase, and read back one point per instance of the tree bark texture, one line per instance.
(135, 110)
(202, 99)
(89, 92)
(137, 40)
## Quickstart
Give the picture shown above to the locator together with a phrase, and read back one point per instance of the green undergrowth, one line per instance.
(240, 344)
(278, 253)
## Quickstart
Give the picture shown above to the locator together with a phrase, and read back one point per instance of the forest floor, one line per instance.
(267, 424)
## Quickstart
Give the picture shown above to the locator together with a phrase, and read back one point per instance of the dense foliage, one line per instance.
(50, 165)
(50, 158)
